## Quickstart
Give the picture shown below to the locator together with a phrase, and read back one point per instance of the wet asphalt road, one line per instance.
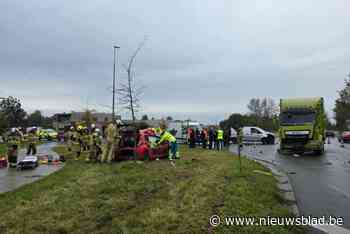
(11, 179)
(321, 183)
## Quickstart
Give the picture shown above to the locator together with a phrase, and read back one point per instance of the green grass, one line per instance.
(151, 197)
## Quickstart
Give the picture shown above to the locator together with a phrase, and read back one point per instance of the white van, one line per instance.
(258, 135)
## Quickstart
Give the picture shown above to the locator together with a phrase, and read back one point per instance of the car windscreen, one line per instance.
(290, 118)
(153, 139)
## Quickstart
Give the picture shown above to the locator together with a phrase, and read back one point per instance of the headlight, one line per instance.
(297, 132)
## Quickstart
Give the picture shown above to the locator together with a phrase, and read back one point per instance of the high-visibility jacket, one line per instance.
(32, 138)
(166, 136)
(13, 140)
(220, 135)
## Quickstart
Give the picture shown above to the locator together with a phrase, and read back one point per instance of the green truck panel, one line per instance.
(302, 125)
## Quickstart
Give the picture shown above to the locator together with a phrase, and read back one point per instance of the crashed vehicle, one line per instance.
(140, 145)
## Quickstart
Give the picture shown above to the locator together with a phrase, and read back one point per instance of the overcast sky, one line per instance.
(203, 59)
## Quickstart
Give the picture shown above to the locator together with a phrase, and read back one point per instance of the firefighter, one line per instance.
(13, 143)
(86, 139)
(77, 142)
(165, 136)
(32, 141)
(112, 135)
(69, 138)
(95, 146)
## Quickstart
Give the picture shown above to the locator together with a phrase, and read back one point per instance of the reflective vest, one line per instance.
(220, 135)
(32, 138)
(166, 136)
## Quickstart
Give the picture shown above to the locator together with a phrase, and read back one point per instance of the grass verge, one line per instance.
(150, 197)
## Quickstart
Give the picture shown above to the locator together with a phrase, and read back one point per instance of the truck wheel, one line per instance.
(319, 152)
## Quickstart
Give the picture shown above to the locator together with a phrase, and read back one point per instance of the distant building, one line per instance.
(64, 120)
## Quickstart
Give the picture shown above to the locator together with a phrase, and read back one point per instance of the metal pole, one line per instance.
(113, 101)
(114, 77)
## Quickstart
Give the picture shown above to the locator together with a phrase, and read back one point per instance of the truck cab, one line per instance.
(302, 125)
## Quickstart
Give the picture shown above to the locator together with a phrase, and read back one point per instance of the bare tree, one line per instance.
(130, 92)
(263, 108)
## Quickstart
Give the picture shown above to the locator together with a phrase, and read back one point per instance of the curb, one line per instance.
(283, 184)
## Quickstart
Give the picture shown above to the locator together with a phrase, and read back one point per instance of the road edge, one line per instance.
(283, 183)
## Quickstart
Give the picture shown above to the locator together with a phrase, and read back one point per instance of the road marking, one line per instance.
(332, 229)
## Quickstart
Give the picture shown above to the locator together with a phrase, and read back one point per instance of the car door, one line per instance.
(256, 135)
(247, 135)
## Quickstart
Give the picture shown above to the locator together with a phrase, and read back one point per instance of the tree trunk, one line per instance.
(131, 97)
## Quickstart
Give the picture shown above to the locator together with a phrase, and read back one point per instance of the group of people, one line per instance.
(15, 139)
(98, 146)
(81, 139)
(208, 138)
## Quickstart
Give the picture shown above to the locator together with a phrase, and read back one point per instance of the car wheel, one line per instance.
(264, 141)
(271, 140)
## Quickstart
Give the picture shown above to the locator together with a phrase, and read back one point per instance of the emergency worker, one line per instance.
(13, 143)
(111, 139)
(166, 136)
(32, 141)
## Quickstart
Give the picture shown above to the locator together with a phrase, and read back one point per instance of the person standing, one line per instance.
(95, 146)
(220, 139)
(166, 136)
(77, 142)
(192, 138)
(109, 147)
(204, 135)
(69, 138)
(198, 136)
(211, 138)
(32, 141)
(13, 143)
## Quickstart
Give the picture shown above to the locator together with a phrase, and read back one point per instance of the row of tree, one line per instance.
(13, 115)
(342, 107)
(263, 112)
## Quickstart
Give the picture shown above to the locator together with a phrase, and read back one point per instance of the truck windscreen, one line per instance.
(296, 118)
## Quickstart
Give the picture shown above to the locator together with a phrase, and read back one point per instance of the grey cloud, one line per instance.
(202, 58)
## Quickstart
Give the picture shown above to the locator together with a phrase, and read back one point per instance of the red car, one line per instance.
(140, 145)
(345, 137)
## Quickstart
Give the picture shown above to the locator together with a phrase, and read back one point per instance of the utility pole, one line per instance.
(115, 54)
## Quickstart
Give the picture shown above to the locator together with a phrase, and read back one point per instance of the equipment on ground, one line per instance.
(29, 162)
(302, 125)
(3, 162)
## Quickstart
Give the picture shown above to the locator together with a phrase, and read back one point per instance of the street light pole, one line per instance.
(115, 51)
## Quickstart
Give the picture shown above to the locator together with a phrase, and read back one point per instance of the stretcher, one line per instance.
(29, 162)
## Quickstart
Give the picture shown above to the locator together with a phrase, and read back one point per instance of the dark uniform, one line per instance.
(13, 143)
